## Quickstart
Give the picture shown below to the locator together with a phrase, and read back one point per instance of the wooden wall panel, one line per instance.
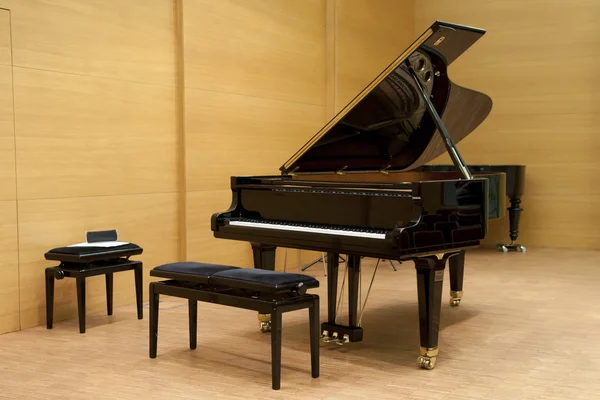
(127, 40)
(149, 220)
(9, 268)
(273, 49)
(7, 135)
(254, 93)
(5, 47)
(230, 134)
(95, 123)
(368, 36)
(544, 113)
(86, 136)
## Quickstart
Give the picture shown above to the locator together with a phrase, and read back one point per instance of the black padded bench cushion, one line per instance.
(234, 277)
(81, 254)
(262, 280)
(189, 271)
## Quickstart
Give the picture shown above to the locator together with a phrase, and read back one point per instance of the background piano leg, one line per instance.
(457, 269)
(264, 258)
(430, 281)
(514, 214)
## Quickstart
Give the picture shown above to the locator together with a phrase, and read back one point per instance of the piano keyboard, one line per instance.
(307, 228)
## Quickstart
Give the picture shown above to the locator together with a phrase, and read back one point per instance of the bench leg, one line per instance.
(313, 317)
(139, 290)
(154, 298)
(193, 313)
(81, 303)
(109, 293)
(276, 348)
(49, 298)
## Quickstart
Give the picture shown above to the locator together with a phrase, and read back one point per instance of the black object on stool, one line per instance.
(81, 262)
(267, 292)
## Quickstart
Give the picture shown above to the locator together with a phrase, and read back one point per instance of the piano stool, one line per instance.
(83, 262)
(267, 292)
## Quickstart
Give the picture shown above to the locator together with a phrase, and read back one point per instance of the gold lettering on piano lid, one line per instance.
(440, 40)
(413, 47)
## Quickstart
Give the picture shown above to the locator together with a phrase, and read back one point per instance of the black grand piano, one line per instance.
(361, 187)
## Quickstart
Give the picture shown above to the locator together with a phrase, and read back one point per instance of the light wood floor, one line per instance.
(528, 328)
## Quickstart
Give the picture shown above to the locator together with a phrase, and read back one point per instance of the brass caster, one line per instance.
(265, 327)
(455, 297)
(264, 322)
(427, 358)
(522, 249)
(426, 362)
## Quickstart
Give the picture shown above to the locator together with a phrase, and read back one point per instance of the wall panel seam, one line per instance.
(180, 129)
(12, 73)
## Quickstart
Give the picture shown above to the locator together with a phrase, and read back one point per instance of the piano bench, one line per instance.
(264, 291)
(81, 262)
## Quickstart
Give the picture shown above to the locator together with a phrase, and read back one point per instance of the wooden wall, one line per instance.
(369, 35)
(254, 74)
(539, 61)
(133, 115)
(94, 144)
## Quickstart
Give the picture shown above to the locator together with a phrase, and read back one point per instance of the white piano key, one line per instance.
(325, 231)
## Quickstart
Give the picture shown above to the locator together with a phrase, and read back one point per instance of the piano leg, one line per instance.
(457, 269)
(264, 258)
(333, 263)
(514, 215)
(430, 280)
(353, 266)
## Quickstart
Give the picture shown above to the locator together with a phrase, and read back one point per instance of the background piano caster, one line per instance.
(511, 247)
(264, 322)
(427, 358)
(455, 297)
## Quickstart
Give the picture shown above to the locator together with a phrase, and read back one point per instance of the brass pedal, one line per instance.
(344, 340)
(332, 338)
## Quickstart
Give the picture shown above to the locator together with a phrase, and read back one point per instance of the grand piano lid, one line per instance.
(387, 126)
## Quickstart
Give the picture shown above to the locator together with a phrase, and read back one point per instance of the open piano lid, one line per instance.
(387, 126)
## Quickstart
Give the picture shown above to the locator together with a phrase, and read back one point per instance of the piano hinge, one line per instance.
(384, 170)
(341, 170)
(293, 172)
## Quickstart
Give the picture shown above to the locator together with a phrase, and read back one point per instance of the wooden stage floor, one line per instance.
(528, 328)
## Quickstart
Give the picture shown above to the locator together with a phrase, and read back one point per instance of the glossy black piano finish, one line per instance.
(355, 188)
(515, 189)
(414, 218)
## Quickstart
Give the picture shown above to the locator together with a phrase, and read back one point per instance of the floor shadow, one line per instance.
(391, 333)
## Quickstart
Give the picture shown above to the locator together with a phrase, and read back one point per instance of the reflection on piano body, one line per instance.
(355, 188)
